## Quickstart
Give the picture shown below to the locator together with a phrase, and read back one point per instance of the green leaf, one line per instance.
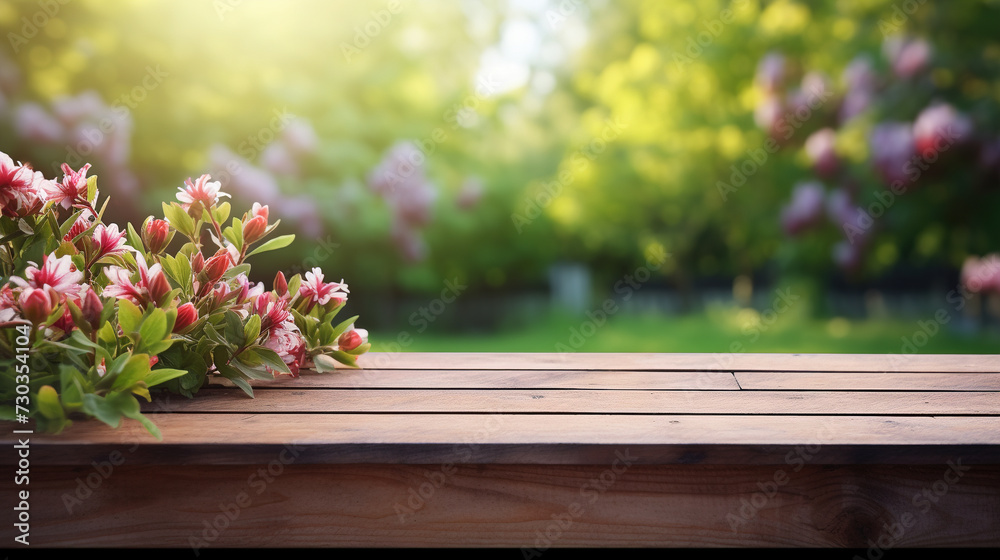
(163, 375)
(339, 330)
(271, 359)
(360, 349)
(324, 363)
(236, 271)
(91, 187)
(128, 406)
(100, 408)
(234, 329)
(251, 330)
(134, 371)
(294, 283)
(344, 358)
(48, 403)
(153, 329)
(251, 371)
(129, 316)
(222, 212)
(178, 218)
(236, 377)
(277, 243)
(134, 239)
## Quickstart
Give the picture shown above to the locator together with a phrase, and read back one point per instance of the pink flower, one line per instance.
(73, 188)
(315, 291)
(81, 225)
(820, 149)
(907, 56)
(273, 311)
(22, 191)
(8, 312)
(59, 274)
(982, 275)
(892, 148)
(805, 209)
(938, 127)
(288, 343)
(202, 190)
(121, 286)
(255, 227)
(108, 240)
(770, 72)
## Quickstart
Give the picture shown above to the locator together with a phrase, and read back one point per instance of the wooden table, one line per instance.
(547, 450)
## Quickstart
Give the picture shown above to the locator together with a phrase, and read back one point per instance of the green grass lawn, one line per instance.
(719, 330)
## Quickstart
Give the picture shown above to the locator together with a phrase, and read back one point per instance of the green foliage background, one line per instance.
(685, 112)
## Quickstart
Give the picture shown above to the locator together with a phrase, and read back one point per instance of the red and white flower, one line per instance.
(122, 287)
(108, 240)
(288, 343)
(60, 274)
(352, 338)
(201, 190)
(73, 188)
(315, 291)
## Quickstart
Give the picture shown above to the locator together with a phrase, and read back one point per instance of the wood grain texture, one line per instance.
(839, 381)
(503, 379)
(834, 403)
(294, 505)
(974, 363)
(246, 438)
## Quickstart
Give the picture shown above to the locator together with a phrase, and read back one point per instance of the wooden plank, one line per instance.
(250, 438)
(504, 379)
(522, 506)
(513, 401)
(974, 363)
(840, 381)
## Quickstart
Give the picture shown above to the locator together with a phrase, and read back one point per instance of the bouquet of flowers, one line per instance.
(94, 316)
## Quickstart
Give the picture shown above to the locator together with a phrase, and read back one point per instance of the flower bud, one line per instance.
(158, 288)
(36, 305)
(259, 211)
(156, 235)
(217, 266)
(187, 314)
(280, 284)
(254, 229)
(92, 308)
(352, 339)
(198, 262)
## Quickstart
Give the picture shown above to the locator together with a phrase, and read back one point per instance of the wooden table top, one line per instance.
(423, 408)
